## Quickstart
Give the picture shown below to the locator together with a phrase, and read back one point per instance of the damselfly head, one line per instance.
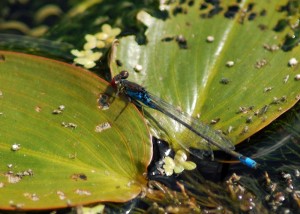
(116, 79)
(124, 74)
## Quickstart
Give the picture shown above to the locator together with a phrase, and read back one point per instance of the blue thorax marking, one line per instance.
(138, 93)
(141, 96)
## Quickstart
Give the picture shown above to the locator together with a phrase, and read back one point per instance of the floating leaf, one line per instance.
(53, 112)
(220, 62)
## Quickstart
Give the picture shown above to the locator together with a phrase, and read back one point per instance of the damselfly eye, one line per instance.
(117, 79)
(124, 74)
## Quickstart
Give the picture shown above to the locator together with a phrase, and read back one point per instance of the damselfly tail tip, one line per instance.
(248, 162)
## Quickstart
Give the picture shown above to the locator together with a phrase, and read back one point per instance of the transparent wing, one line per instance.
(204, 131)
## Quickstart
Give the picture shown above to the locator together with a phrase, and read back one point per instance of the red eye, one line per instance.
(118, 77)
(124, 74)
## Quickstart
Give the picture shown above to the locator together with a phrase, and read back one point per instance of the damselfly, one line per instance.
(141, 96)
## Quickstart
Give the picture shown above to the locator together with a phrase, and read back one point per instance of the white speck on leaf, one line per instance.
(61, 107)
(103, 126)
(230, 63)
(297, 77)
(210, 39)
(293, 62)
(61, 195)
(267, 89)
(31, 196)
(286, 78)
(15, 147)
(69, 125)
(138, 68)
(83, 192)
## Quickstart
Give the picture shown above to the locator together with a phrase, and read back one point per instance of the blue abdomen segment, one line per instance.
(248, 162)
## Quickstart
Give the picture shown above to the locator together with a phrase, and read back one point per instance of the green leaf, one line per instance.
(63, 161)
(181, 66)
